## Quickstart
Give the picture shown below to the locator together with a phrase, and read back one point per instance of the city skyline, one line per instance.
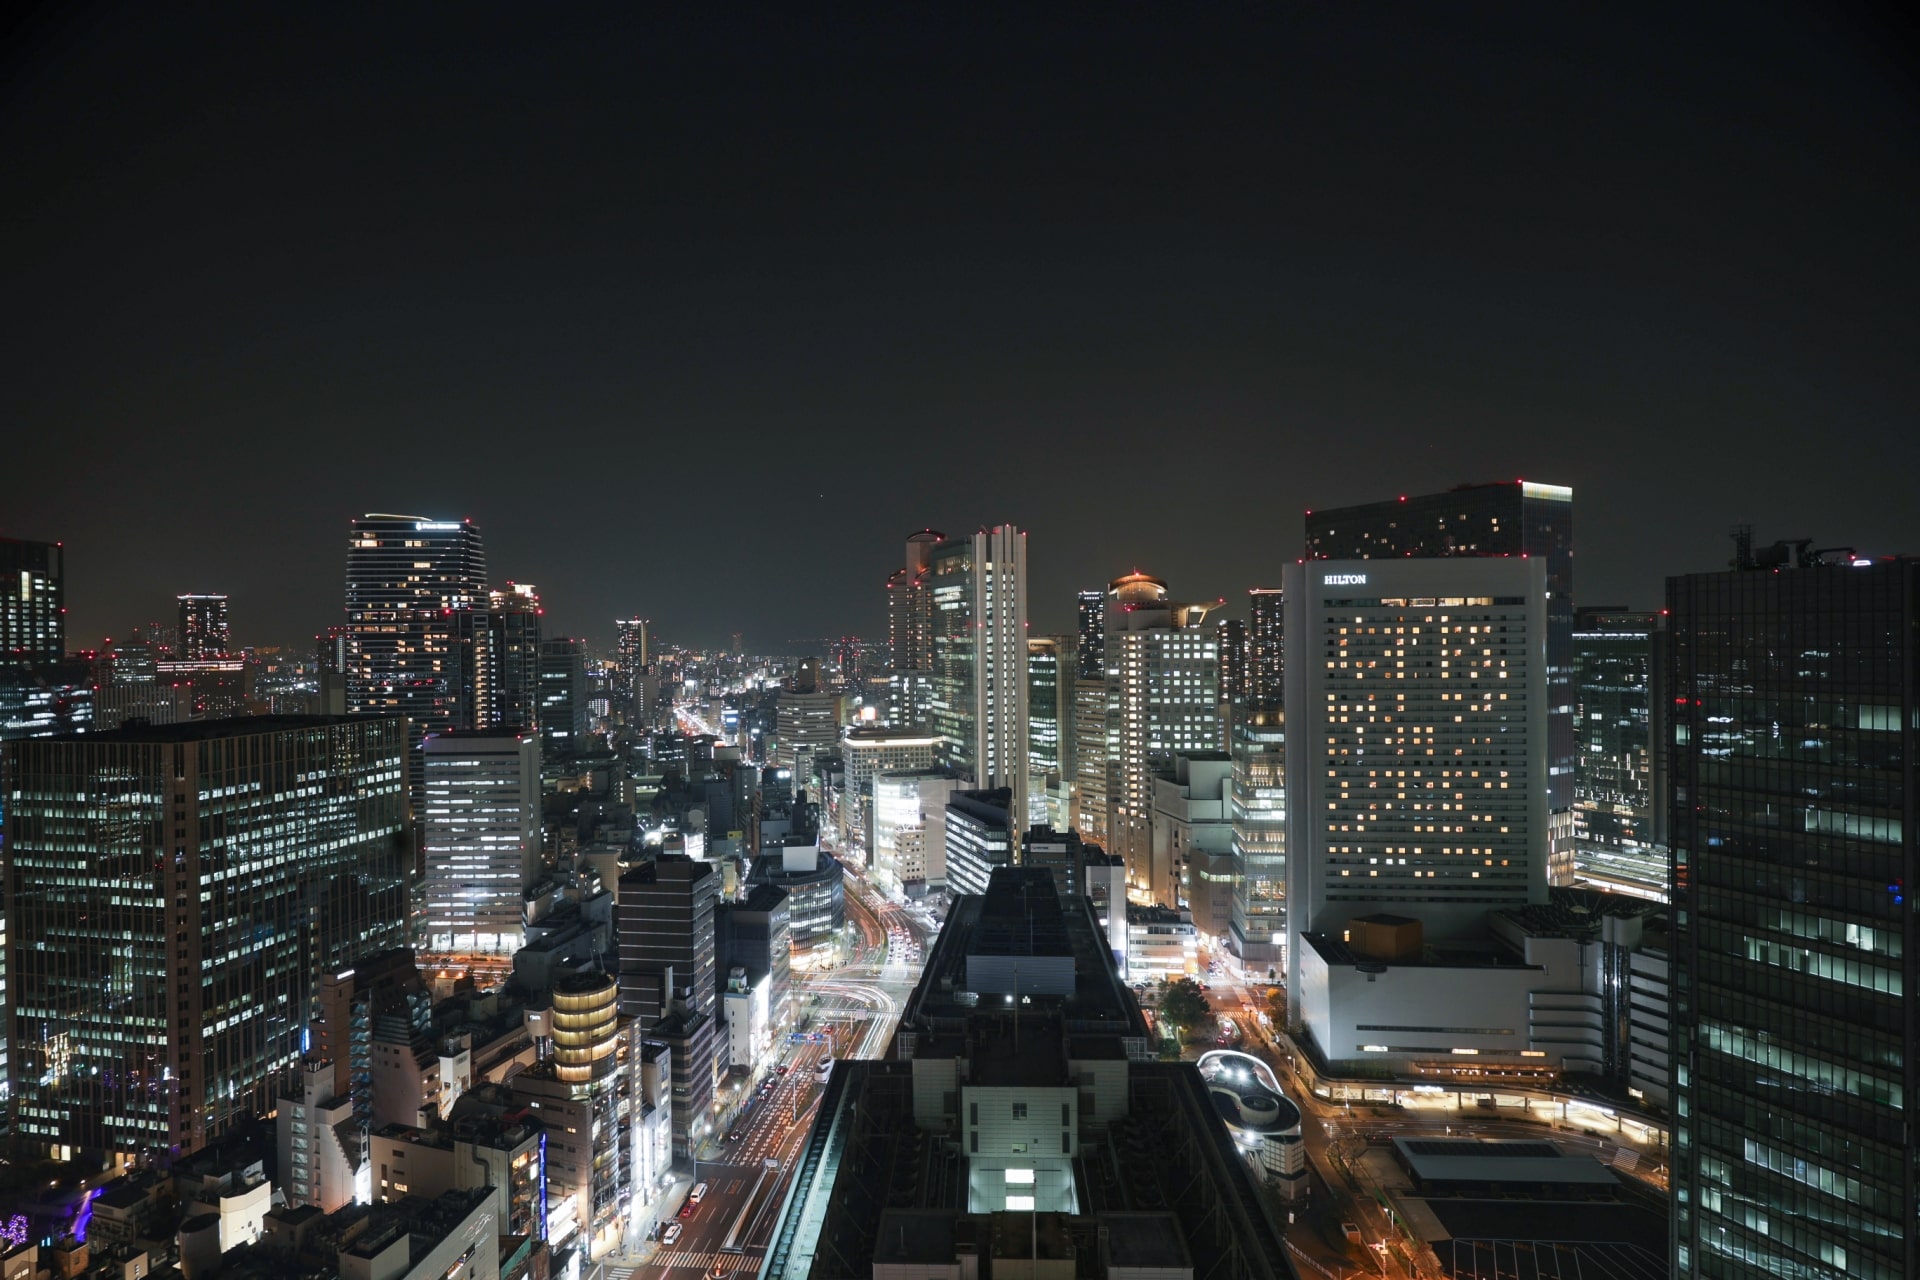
(1213, 251)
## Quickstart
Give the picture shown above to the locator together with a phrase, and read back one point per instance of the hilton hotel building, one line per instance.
(1417, 742)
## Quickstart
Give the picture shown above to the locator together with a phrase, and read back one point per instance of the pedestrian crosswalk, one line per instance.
(704, 1260)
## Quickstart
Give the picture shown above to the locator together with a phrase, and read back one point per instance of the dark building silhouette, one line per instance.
(1795, 689)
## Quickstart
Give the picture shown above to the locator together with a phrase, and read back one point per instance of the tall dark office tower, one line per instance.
(630, 668)
(1236, 673)
(665, 924)
(1617, 834)
(563, 698)
(41, 693)
(33, 603)
(1795, 687)
(1507, 518)
(203, 627)
(910, 605)
(495, 660)
(1091, 609)
(406, 577)
(630, 644)
(1266, 651)
(175, 894)
(513, 617)
(665, 921)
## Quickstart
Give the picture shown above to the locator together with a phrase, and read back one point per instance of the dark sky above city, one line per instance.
(699, 309)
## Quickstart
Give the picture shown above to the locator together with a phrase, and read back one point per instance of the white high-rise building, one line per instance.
(979, 653)
(1163, 699)
(909, 828)
(1416, 768)
(869, 753)
(481, 838)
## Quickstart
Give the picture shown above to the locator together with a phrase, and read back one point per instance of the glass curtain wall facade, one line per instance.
(563, 698)
(1050, 731)
(407, 576)
(176, 893)
(1794, 940)
(1616, 844)
(1257, 804)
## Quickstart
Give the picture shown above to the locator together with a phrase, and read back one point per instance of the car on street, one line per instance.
(733, 1135)
(671, 1234)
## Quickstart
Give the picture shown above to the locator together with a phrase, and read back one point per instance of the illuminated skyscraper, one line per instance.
(41, 693)
(807, 722)
(1618, 837)
(1795, 689)
(1416, 718)
(1257, 806)
(513, 619)
(630, 644)
(1266, 650)
(406, 577)
(1051, 664)
(1163, 700)
(175, 894)
(980, 657)
(910, 634)
(910, 605)
(1090, 610)
(1090, 749)
(1236, 675)
(203, 627)
(480, 839)
(630, 658)
(33, 603)
(1509, 518)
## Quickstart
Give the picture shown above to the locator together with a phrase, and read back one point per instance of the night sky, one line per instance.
(699, 313)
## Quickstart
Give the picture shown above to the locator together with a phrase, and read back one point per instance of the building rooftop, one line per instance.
(761, 897)
(1020, 915)
(1144, 1240)
(1537, 1164)
(1100, 1004)
(1333, 951)
(204, 730)
(921, 1236)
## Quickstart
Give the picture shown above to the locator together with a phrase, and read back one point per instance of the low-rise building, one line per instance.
(322, 1142)
(1162, 944)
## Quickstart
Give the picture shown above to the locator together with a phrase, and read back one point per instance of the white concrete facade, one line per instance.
(1417, 723)
(481, 839)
